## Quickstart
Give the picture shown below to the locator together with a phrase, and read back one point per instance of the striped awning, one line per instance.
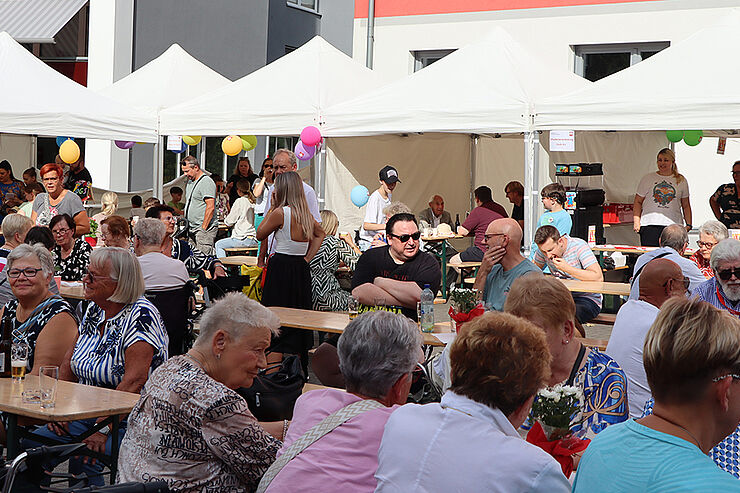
(36, 21)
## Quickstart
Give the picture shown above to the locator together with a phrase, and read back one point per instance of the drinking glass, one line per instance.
(18, 360)
(48, 381)
(353, 307)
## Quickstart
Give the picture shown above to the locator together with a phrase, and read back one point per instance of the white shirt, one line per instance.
(313, 207)
(662, 204)
(241, 216)
(625, 345)
(688, 268)
(461, 445)
(374, 213)
(162, 272)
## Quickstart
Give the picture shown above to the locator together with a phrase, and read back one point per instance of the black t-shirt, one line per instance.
(80, 183)
(233, 194)
(377, 262)
(517, 212)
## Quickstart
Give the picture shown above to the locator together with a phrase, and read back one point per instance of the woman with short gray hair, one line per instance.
(377, 353)
(38, 317)
(190, 428)
(710, 233)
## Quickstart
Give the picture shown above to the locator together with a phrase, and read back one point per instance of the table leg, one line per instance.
(114, 449)
(13, 440)
(444, 269)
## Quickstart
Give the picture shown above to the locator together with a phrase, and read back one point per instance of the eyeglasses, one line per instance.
(727, 274)
(28, 272)
(488, 237)
(686, 282)
(734, 376)
(61, 231)
(705, 244)
(405, 238)
(171, 219)
(93, 278)
(735, 173)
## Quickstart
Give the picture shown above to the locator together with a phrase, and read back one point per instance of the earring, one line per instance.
(566, 342)
(218, 355)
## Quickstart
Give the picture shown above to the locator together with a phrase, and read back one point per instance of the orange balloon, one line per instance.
(69, 151)
(231, 145)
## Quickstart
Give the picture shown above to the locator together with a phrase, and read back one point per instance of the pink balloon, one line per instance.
(310, 136)
(304, 153)
(124, 144)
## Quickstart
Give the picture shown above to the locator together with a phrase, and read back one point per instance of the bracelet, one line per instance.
(285, 428)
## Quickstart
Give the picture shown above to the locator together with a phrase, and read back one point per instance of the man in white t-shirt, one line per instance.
(160, 271)
(660, 280)
(379, 200)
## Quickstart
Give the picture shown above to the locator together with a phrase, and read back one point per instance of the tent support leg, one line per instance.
(531, 188)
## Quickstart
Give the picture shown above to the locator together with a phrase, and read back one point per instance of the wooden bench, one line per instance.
(605, 318)
(315, 386)
(240, 251)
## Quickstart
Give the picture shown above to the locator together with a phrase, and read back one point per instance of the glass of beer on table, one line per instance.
(19, 360)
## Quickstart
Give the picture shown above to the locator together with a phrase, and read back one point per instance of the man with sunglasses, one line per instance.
(394, 275)
(673, 242)
(502, 263)
(662, 279)
(723, 290)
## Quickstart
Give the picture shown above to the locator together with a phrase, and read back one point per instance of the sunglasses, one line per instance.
(405, 238)
(726, 275)
(267, 166)
(686, 282)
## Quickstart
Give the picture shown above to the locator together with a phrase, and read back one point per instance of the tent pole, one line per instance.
(158, 187)
(531, 165)
(370, 34)
(320, 176)
(473, 165)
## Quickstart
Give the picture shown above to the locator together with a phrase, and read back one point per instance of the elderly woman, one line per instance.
(377, 353)
(710, 233)
(326, 294)
(115, 232)
(692, 362)
(109, 206)
(390, 210)
(548, 304)
(71, 255)
(469, 441)
(58, 201)
(190, 428)
(121, 341)
(37, 316)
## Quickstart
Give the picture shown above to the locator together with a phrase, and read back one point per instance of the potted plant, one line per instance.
(465, 305)
(92, 236)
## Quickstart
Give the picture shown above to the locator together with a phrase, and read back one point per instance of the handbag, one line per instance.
(272, 395)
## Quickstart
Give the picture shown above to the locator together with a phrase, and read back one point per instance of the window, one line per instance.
(594, 62)
(427, 57)
(312, 5)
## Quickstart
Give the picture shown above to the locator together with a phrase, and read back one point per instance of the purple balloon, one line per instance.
(125, 144)
(304, 153)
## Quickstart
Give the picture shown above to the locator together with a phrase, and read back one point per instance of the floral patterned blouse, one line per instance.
(729, 204)
(703, 264)
(194, 433)
(74, 267)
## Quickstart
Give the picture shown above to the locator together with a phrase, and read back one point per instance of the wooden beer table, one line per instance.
(74, 401)
(238, 260)
(602, 287)
(72, 292)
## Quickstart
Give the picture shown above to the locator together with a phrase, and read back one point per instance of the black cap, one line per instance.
(389, 174)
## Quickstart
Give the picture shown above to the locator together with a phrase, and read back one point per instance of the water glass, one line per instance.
(48, 381)
(19, 360)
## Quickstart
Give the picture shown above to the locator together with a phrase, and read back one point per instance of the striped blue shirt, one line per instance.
(100, 360)
(707, 291)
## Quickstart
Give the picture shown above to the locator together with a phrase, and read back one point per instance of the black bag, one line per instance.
(272, 396)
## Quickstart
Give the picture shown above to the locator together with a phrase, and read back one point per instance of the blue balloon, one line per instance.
(183, 149)
(359, 196)
(61, 140)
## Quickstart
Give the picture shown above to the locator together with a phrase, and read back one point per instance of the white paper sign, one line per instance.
(174, 142)
(563, 140)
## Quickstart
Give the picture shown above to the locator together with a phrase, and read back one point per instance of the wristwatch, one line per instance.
(690, 226)
(105, 430)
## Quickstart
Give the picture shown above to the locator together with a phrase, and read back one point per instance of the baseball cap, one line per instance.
(389, 174)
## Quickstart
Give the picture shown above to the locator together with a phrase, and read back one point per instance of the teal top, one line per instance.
(499, 282)
(629, 457)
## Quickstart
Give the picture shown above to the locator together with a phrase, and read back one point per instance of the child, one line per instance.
(136, 209)
(176, 202)
(553, 200)
(242, 218)
(151, 202)
(222, 198)
(29, 176)
(30, 191)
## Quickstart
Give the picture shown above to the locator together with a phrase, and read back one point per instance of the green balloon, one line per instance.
(692, 137)
(674, 135)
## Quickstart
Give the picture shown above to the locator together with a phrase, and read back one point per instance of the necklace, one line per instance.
(722, 302)
(698, 444)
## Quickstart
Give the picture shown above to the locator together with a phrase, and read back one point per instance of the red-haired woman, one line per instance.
(57, 201)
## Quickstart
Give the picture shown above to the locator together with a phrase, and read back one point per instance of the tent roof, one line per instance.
(173, 77)
(689, 85)
(36, 99)
(278, 99)
(487, 86)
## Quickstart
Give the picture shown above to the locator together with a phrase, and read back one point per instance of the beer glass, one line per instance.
(19, 360)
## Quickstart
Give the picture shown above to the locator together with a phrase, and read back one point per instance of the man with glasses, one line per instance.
(723, 290)
(725, 202)
(394, 275)
(502, 263)
(661, 280)
(200, 206)
(673, 242)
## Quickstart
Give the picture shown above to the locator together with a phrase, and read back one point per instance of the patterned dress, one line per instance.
(194, 259)
(729, 204)
(74, 267)
(194, 433)
(702, 264)
(326, 294)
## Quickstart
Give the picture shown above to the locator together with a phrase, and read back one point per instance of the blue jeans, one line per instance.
(586, 309)
(76, 464)
(224, 243)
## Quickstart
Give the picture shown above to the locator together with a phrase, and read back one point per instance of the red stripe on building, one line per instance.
(394, 8)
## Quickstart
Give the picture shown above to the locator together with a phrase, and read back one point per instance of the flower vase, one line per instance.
(461, 317)
(554, 432)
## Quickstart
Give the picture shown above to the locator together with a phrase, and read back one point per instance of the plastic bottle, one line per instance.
(426, 309)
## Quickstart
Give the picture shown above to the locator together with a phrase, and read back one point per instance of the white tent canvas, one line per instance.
(36, 99)
(172, 78)
(278, 99)
(689, 85)
(488, 86)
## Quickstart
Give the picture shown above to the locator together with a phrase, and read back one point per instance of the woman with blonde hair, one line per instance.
(297, 238)
(662, 199)
(109, 207)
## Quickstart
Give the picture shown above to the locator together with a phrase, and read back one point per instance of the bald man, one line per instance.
(502, 262)
(660, 280)
(435, 214)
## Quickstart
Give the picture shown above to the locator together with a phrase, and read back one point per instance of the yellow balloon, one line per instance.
(191, 140)
(69, 151)
(231, 145)
(249, 142)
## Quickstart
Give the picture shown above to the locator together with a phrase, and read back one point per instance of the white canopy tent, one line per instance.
(37, 100)
(172, 78)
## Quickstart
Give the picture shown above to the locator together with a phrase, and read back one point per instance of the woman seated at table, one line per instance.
(190, 428)
(121, 340)
(71, 256)
(109, 206)
(692, 364)
(710, 233)
(115, 232)
(37, 316)
(326, 294)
